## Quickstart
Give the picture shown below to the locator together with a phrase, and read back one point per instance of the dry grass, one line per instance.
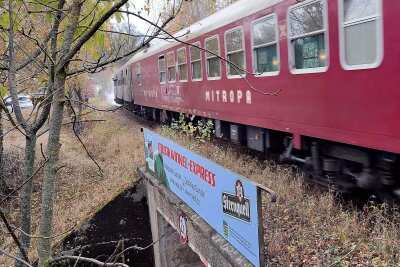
(304, 228)
(116, 144)
(307, 227)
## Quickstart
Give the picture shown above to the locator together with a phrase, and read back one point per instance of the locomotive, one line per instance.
(314, 78)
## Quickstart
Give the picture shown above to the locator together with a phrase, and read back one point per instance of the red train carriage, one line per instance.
(335, 64)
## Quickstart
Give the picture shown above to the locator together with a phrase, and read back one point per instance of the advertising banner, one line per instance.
(227, 201)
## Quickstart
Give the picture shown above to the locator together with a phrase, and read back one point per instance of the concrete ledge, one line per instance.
(212, 248)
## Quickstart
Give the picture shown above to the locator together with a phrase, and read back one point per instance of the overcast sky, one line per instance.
(138, 5)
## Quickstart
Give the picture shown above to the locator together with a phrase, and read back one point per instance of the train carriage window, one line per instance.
(171, 67)
(265, 45)
(195, 62)
(161, 68)
(213, 61)
(182, 64)
(307, 37)
(361, 33)
(234, 47)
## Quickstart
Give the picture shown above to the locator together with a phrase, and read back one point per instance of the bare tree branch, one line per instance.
(90, 260)
(139, 248)
(15, 238)
(70, 122)
(80, 140)
(20, 186)
(15, 258)
(39, 236)
(158, 30)
(77, 260)
(71, 53)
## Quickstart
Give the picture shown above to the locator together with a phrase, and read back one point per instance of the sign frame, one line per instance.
(210, 173)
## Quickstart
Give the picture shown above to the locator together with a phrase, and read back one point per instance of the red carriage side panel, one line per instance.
(359, 107)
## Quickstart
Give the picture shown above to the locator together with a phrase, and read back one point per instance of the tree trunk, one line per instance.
(26, 191)
(3, 184)
(50, 172)
(53, 145)
(79, 105)
(1, 145)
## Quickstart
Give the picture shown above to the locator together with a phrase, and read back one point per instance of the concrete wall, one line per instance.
(207, 247)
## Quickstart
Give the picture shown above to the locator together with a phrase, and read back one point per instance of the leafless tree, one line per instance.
(55, 53)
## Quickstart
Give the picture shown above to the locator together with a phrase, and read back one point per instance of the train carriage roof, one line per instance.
(231, 13)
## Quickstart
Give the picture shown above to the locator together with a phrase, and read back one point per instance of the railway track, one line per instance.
(350, 201)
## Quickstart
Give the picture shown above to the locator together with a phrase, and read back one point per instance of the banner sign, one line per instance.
(227, 201)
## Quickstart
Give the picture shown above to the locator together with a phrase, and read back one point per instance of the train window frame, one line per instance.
(325, 30)
(193, 45)
(236, 76)
(216, 36)
(170, 67)
(379, 37)
(276, 42)
(162, 57)
(180, 64)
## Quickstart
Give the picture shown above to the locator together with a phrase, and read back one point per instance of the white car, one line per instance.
(24, 102)
(9, 105)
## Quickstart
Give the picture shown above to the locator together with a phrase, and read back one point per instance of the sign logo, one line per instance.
(237, 206)
(183, 229)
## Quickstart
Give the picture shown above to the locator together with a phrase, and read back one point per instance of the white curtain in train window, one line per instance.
(195, 60)
(182, 64)
(360, 25)
(307, 35)
(235, 52)
(265, 45)
(213, 62)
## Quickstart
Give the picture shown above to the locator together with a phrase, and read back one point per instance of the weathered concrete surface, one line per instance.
(204, 240)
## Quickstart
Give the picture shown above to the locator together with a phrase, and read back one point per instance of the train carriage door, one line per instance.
(163, 79)
(120, 91)
(171, 71)
(130, 81)
(182, 70)
(127, 85)
(115, 82)
(136, 80)
(123, 81)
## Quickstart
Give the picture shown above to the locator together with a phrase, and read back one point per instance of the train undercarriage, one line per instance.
(343, 168)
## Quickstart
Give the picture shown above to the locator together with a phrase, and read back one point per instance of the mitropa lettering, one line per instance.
(229, 96)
